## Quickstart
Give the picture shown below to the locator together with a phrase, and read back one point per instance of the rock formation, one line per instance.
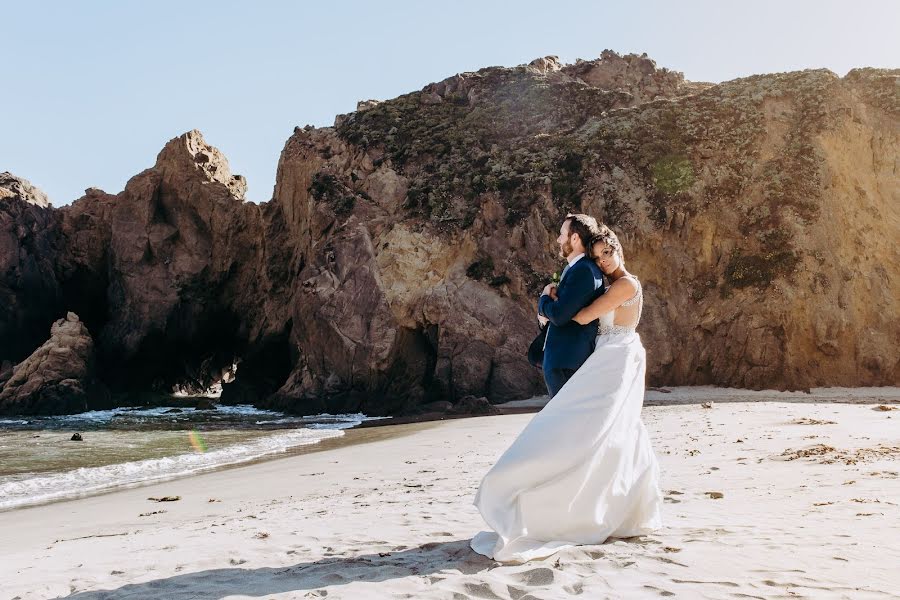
(58, 378)
(30, 296)
(399, 260)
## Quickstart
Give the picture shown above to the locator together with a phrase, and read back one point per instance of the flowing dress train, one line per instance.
(583, 469)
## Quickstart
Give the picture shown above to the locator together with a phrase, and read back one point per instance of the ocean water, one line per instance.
(125, 447)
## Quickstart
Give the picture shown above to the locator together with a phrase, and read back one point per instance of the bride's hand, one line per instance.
(553, 295)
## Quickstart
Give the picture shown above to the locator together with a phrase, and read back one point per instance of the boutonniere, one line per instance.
(555, 278)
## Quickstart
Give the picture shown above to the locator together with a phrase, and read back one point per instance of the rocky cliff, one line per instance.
(400, 257)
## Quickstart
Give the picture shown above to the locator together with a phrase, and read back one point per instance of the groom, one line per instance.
(569, 344)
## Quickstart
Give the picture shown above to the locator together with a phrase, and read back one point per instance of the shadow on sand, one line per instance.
(219, 583)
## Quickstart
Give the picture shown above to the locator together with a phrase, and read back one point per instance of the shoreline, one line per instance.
(392, 427)
(324, 445)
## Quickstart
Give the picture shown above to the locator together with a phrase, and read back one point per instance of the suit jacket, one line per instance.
(568, 343)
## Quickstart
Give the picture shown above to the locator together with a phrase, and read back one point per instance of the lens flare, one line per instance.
(197, 441)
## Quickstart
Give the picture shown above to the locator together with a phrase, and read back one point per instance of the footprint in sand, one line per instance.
(576, 589)
(514, 592)
(669, 561)
(540, 576)
(482, 590)
(725, 583)
(660, 591)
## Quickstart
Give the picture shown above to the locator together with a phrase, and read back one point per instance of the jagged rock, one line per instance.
(76, 437)
(366, 104)
(58, 378)
(636, 75)
(30, 295)
(547, 64)
(400, 258)
(18, 188)
(183, 260)
(205, 404)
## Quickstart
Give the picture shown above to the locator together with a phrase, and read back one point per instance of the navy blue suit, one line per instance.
(568, 343)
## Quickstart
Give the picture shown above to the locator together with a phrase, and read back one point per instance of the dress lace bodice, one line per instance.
(608, 323)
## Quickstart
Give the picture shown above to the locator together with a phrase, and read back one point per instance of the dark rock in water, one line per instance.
(173, 411)
(205, 404)
(58, 378)
(470, 405)
(238, 392)
(76, 437)
(441, 406)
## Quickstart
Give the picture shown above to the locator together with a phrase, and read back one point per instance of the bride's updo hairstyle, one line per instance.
(608, 237)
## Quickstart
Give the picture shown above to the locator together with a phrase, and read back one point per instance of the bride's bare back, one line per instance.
(628, 314)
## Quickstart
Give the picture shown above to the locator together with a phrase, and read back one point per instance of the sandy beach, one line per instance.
(795, 496)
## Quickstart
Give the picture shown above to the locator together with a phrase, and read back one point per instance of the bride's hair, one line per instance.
(606, 236)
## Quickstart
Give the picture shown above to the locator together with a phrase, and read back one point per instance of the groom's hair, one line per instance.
(585, 226)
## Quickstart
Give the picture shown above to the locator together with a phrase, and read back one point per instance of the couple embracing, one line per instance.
(583, 469)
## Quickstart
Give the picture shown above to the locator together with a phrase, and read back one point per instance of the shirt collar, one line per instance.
(575, 258)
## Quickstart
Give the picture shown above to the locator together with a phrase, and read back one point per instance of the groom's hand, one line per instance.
(565, 302)
(549, 290)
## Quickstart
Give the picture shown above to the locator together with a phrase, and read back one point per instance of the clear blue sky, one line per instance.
(92, 90)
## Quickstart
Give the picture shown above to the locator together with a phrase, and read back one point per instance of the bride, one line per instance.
(583, 469)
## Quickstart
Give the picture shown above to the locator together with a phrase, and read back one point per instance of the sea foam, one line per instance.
(89, 480)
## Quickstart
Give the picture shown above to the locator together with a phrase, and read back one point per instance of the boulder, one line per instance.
(205, 404)
(58, 378)
(470, 405)
(440, 406)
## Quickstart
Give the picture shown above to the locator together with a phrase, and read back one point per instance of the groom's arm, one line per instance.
(572, 297)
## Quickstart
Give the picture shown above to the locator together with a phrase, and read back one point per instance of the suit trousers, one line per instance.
(556, 378)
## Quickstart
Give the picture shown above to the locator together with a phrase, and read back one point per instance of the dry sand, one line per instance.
(809, 509)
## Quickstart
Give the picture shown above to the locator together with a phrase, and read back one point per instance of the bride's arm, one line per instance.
(618, 292)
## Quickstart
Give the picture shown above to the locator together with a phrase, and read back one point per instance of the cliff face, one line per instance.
(761, 214)
(30, 296)
(400, 258)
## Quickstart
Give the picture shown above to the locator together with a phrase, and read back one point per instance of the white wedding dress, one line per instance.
(583, 469)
